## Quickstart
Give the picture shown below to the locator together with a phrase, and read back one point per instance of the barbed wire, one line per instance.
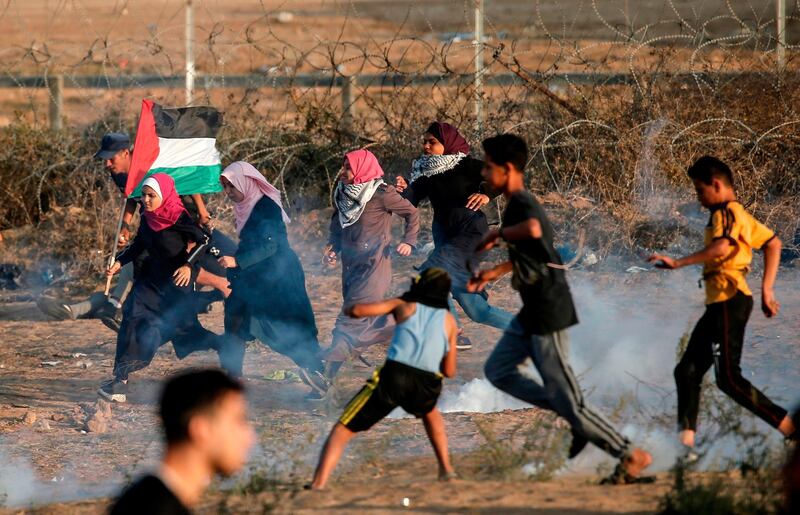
(708, 74)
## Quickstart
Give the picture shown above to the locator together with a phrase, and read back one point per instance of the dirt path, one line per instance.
(49, 372)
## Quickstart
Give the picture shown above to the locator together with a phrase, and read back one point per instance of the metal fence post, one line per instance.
(348, 101)
(55, 89)
(478, 79)
(190, 71)
(780, 29)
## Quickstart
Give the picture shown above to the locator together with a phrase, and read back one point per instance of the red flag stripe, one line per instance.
(145, 147)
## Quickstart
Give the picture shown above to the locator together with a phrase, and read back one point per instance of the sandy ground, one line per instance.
(624, 349)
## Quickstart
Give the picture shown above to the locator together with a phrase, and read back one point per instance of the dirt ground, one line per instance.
(55, 447)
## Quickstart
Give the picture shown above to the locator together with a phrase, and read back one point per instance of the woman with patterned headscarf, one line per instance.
(268, 298)
(162, 305)
(451, 179)
(361, 231)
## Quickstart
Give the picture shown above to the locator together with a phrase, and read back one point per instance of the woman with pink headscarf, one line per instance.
(162, 306)
(268, 298)
(361, 232)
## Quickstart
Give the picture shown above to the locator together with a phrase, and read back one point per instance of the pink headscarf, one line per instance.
(171, 207)
(253, 186)
(364, 165)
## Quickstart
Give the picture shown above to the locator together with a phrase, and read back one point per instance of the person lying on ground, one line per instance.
(204, 417)
(116, 153)
(161, 307)
(268, 300)
(361, 234)
(717, 339)
(539, 331)
(451, 179)
(422, 352)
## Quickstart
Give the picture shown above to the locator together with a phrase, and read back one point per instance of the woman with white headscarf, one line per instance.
(268, 298)
(162, 305)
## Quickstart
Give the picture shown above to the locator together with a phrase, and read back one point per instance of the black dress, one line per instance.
(268, 298)
(157, 310)
(456, 229)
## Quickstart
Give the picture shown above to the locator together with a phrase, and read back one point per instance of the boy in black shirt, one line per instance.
(539, 330)
(204, 414)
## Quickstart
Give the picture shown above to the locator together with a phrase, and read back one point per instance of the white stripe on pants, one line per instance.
(559, 393)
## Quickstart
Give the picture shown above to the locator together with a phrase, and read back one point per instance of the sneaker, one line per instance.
(316, 380)
(314, 396)
(688, 457)
(55, 308)
(463, 343)
(114, 391)
(110, 316)
(630, 468)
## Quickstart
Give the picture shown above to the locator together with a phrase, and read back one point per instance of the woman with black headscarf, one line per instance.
(451, 179)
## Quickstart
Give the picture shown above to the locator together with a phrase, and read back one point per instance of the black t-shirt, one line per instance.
(149, 495)
(547, 303)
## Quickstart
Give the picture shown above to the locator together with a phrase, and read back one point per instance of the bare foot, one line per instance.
(637, 461)
(787, 427)
(447, 476)
(687, 437)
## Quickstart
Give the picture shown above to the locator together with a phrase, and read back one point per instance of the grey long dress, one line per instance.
(365, 249)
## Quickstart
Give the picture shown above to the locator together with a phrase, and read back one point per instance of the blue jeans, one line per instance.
(479, 310)
(559, 390)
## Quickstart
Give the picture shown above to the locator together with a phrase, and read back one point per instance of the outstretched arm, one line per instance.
(478, 282)
(717, 249)
(373, 309)
(526, 230)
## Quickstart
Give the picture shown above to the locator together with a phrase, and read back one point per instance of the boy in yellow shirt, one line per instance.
(730, 237)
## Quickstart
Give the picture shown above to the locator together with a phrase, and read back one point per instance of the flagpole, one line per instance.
(112, 259)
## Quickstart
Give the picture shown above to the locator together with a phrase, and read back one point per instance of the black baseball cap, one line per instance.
(112, 143)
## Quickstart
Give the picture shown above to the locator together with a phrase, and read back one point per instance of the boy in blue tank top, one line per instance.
(423, 351)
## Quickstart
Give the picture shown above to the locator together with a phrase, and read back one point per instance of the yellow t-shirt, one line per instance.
(726, 275)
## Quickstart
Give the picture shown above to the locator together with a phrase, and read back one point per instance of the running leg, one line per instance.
(502, 368)
(479, 310)
(331, 454)
(733, 316)
(689, 372)
(434, 426)
(550, 355)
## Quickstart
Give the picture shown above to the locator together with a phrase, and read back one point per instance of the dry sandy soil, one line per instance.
(624, 349)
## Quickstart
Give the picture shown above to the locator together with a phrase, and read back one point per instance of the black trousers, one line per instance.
(717, 340)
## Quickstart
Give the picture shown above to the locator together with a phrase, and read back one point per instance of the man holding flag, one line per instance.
(116, 153)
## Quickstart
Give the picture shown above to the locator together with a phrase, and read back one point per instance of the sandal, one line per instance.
(621, 477)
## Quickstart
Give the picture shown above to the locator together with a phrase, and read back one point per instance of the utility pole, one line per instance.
(780, 29)
(189, 52)
(478, 82)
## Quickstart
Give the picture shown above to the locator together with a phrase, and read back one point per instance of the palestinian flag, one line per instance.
(180, 142)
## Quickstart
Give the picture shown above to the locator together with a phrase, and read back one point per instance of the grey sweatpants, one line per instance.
(87, 308)
(559, 393)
